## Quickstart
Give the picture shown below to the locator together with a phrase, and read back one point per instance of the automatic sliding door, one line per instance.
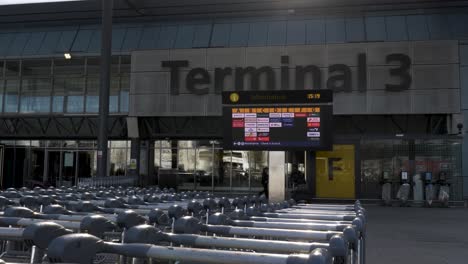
(86, 164)
(69, 168)
(186, 166)
(258, 160)
(62, 168)
(35, 177)
(207, 177)
(54, 168)
(381, 157)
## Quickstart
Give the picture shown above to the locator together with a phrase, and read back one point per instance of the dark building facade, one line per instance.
(398, 72)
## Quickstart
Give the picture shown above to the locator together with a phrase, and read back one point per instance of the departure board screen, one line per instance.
(303, 125)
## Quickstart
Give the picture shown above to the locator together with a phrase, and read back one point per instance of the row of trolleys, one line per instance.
(154, 226)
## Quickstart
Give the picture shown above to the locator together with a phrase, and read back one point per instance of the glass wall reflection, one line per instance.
(58, 162)
(382, 157)
(61, 86)
(388, 157)
(204, 165)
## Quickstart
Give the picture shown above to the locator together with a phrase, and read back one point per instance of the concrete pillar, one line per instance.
(310, 167)
(465, 166)
(143, 163)
(412, 159)
(45, 177)
(277, 176)
(151, 170)
(106, 53)
(135, 155)
(463, 50)
(465, 155)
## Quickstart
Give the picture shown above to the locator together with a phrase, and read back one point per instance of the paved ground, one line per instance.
(417, 235)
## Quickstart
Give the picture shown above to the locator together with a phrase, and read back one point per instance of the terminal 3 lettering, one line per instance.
(198, 80)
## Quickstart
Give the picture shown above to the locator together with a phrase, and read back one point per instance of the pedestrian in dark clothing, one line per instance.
(296, 176)
(221, 173)
(264, 182)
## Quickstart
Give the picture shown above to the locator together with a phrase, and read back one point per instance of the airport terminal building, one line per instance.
(398, 72)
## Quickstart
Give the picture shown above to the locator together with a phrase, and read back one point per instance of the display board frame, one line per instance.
(294, 111)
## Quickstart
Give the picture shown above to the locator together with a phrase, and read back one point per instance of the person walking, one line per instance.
(265, 182)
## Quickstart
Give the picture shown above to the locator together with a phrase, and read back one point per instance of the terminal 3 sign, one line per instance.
(199, 80)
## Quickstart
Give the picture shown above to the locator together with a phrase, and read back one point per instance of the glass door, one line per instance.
(186, 165)
(62, 168)
(69, 168)
(258, 161)
(382, 158)
(53, 170)
(36, 162)
(86, 163)
(295, 171)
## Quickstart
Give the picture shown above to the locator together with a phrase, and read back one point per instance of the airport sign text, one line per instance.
(199, 80)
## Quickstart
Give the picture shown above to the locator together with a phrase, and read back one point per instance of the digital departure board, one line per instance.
(278, 120)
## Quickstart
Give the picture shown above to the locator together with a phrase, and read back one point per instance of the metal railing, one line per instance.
(108, 181)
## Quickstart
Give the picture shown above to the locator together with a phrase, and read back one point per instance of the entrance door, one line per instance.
(54, 168)
(64, 167)
(9, 168)
(85, 164)
(36, 170)
(69, 168)
(335, 172)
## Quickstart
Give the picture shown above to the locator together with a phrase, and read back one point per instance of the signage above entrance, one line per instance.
(378, 78)
(277, 120)
(198, 80)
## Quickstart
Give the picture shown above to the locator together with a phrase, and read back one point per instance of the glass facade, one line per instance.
(11, 95)
(58, 162)
(247, 31)
(204, 165)
(119, 157)
(391, 156)
(34, 86)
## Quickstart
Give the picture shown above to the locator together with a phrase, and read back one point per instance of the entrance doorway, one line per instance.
(295, 167)
(335, 172)
(15, 167)
(53, 168)
(65, 167)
